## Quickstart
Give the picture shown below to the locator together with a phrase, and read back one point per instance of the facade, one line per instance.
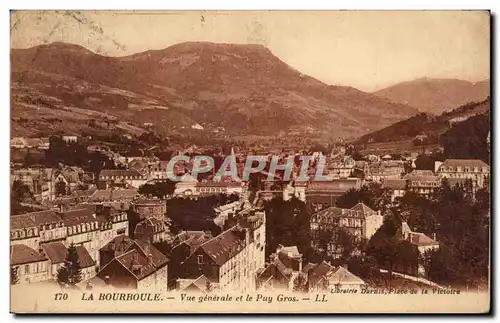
(397, 187)
(295, 189)
(232, 258)
(359, 221)
(155, 208)
(152, 230)
(423, 182)
(341, 169)
(325, 277)
(56, 252)
(418, 239)
(70, 139)
(129, 177)
(82, 227)
(140, 266)
(320, 194)
(283, 270)
(29, 265)
(380, 171)
(473, 169)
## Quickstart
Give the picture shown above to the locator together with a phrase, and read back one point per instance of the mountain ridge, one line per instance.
(242, 88)
(436, 95)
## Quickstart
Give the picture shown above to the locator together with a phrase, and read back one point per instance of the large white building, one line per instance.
(473, 169)
(35, 237)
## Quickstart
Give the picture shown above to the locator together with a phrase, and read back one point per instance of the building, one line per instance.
(189, 186)
(130, 177)
(283, 270)
(321, 194)
(397, 187)
(211, 188)
(295, 189)
(56, 252)
(88, 226)
(418, 239)
(473, 169)
(29, 265)
(423, 182)
(140, 266)
(380, 171)
(153, 207)
(201, 285)
(223, 212)
(341, 169)
(160, 170)
(152, 230)
(325, 277)
(70, 139)
(31, 229)
(114, 195)
(232, 258)
(359, 221)
(112, 223)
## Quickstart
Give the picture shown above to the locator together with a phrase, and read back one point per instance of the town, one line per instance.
(86, 216)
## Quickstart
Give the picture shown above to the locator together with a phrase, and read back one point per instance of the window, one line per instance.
(26, 269)
(200, 259)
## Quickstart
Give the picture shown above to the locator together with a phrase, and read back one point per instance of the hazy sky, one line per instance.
(365, 49)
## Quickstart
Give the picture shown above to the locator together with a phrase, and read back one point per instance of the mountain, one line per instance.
(241, 89)
(428, 127)
(436, 95)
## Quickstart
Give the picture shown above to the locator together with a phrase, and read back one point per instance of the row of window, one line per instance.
(121, 177)
(464, 169)
(35, 268)
(210, 189)
(83, 227)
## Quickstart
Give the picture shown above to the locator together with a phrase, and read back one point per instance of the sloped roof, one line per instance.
(74, 217)
(420, 239)
(139, 265)
(317, 273)
(33, 219)
(128, 193)
(464, 163)
(55, 251)
(223, 247)
(120, 172)
(363, 208)
(84, 258)
(336, 185)
(343, 276)
(394, 184)
(22, 254)
(118, 243)
(199, 283)
(149, 226)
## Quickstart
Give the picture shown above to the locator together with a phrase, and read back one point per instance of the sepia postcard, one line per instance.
(250, 162)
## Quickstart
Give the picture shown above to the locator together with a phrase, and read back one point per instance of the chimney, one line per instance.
(106, 279)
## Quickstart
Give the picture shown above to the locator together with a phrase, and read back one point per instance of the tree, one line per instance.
(60, 188)
(373, 195)
(14, 275)
(70, 273)
(299, 283)
(159, 189)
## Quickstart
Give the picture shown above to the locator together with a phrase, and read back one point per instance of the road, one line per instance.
(413, 278)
